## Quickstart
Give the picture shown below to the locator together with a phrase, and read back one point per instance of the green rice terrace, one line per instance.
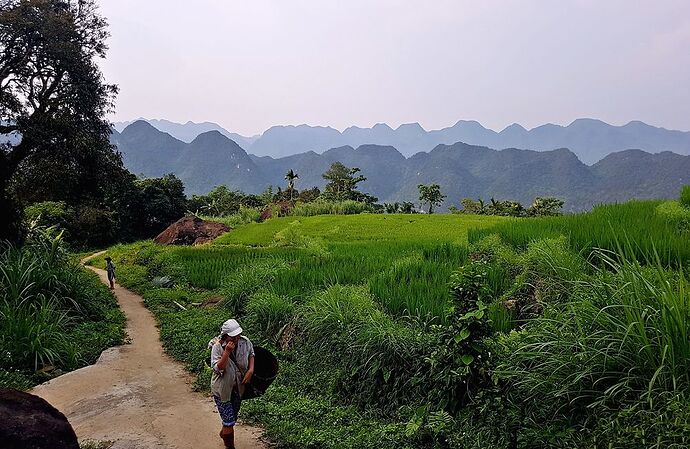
(449, 331)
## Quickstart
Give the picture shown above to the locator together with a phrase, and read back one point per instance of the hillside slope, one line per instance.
(462, 170)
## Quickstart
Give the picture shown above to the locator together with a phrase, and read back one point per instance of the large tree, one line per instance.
(342, 184)
(431, 195)
(53, 102)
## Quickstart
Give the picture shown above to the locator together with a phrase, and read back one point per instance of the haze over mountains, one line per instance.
(591, 140)
(462, 169)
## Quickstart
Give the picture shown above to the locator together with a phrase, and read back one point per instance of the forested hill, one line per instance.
(591, 140)
(462, 170)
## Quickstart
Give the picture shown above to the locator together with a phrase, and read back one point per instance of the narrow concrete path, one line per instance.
(137, 396)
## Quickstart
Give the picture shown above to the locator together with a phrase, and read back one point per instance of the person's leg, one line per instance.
(228, 436)
(228, 418)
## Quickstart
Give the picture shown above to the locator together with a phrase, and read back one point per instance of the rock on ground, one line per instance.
(30, 422)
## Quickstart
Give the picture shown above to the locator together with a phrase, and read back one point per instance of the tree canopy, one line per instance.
(53, 104)
(342, 184)
(431, 195)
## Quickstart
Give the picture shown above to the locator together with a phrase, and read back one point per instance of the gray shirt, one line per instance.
(223, 382)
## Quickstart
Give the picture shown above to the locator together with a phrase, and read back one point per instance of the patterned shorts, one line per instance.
(228, 410)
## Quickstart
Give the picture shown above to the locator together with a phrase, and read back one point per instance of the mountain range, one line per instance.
(591, 140)
(462, 169)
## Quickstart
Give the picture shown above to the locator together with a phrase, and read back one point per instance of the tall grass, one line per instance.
(607, 227)
(624, 336)
(329, 208)
(46, 305)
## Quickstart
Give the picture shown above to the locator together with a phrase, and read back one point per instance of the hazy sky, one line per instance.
(251, 64)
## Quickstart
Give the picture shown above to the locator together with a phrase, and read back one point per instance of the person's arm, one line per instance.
(223, 362)
(250, 371)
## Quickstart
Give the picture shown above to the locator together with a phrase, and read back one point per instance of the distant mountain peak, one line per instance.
(213, 137)
(382, 126)
(415, 126)
(139, 126)
(588, 121)
(513, 128)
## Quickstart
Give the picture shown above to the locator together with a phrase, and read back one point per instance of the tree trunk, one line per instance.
(10, 218)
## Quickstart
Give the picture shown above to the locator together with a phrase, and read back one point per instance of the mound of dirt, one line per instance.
(191, 231)
(27, 421)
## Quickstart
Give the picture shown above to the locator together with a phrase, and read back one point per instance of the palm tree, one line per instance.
(290, 177)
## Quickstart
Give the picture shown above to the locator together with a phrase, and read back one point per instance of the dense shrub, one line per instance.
(676, 214)
(51, 311)
(49, 214)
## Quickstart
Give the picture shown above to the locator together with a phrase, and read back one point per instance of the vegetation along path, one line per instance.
(137, 396)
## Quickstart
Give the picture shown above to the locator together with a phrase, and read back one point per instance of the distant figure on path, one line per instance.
(232, 361)
(110, 268)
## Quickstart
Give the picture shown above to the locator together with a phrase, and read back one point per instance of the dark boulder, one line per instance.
(30, 422)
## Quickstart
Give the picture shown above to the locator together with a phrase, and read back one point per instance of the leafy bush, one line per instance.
(50, 213)
(676, 214)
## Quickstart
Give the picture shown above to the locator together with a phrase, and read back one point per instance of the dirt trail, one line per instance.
(137, 396)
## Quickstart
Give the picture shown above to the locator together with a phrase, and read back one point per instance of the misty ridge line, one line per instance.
(462, 170)
(590, 139)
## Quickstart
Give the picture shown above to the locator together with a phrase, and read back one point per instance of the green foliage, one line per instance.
(543, 344)
(321, 207)
(431, 195)
(160, 202)
(64, 150)
(623, 337)
(51, 311)
(303, 421)
(268, 313)
(541, 207)
(675, 214)
(342, 185)
(50, 213)
(309, 195)
(15, 380)
(545, 207)
(685, 196)
(633, 225)
(219, 202)
(664, 424)
(456, 358)
(249, 279)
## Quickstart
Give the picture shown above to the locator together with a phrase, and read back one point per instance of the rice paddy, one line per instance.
(405, 260)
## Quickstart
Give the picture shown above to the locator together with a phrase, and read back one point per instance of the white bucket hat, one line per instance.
(231, 327)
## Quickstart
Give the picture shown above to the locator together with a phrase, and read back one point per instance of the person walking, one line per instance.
(110, 269)
(232, 361)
